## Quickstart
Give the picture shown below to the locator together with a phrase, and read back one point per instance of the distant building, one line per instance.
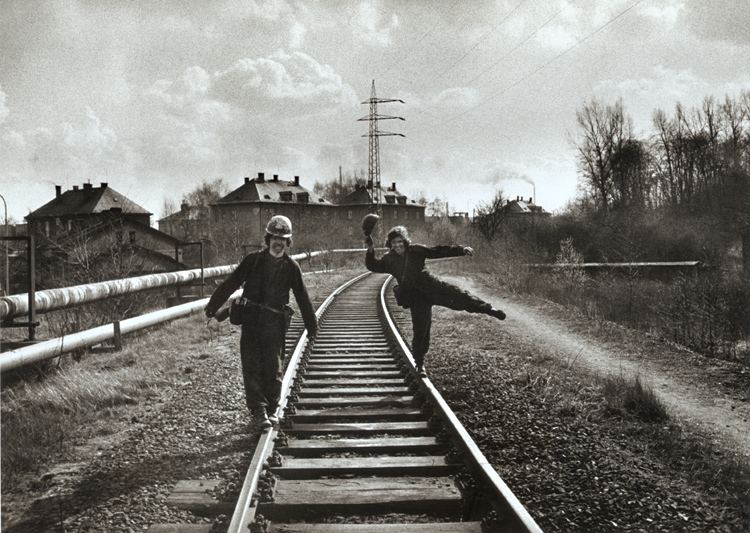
(82, 207)
(238, 220)
(396, 209)
(190, 223)
(521, 208)
(91, 233)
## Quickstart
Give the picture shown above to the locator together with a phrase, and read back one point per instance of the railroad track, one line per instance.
(365, 444)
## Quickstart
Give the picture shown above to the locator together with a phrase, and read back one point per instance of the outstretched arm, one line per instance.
(436, 252)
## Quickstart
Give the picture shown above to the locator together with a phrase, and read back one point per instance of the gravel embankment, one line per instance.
(119, 474)
(574, 464)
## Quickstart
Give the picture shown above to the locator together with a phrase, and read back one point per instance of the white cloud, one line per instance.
(369, 26)
(666, 13)
(297, 35)
(4, 111)
(457, 97)
(555, 37)
(295, 80)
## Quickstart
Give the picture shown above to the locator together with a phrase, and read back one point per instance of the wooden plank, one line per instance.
(352, 391)
(403, 428)
(370, 401)
(364, 495)
(355, 413)
(307, 468)
(349, 360)
(434, 527)
(193, 495)
(181, 528)
(363, 366)
(312, 447)
(353, 382)
(341, 373)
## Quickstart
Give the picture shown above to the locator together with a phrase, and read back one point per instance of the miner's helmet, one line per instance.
(279, 226)
(368, 223)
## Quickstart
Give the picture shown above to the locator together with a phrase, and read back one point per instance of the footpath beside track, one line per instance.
(365, 444)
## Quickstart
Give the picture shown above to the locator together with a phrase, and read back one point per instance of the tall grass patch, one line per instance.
(631, 395)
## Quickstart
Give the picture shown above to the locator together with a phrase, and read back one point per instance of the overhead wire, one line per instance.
(544, 65)
(476, 44)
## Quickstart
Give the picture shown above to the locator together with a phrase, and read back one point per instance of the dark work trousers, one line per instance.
(445, 295)
(262, 354)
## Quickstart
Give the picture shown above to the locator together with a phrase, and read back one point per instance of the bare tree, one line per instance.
(490, 216)
(605, 130)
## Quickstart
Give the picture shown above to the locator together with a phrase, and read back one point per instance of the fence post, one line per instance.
(117, 339)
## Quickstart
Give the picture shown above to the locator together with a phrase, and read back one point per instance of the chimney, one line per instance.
(529, 199)
(393, 186)
(275, 177)
(103, 184)
(58, 191)
(184, 206)
(296, 181)
(86, 186)
(247, 180)
(261, 177)
(75, 187)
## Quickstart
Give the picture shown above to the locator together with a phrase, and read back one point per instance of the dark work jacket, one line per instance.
(250, 274)
(409, 269)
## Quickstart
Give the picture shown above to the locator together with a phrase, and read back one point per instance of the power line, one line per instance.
(418, 41)
(544, 65)
(476, 44)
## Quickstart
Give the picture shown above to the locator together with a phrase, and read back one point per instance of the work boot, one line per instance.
(260, 418)
(421, 371)
(497, 313)
(273, 418)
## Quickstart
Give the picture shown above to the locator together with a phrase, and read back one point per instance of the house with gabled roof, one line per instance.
(395, 209)
(238, 220)
(89, 233)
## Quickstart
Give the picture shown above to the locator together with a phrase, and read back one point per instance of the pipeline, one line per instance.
(52, 299)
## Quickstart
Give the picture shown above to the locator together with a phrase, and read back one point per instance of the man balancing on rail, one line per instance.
(264, 313)
(417, 289)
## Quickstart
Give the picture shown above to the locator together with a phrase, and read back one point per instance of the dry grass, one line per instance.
(631, 395)
(40, 414)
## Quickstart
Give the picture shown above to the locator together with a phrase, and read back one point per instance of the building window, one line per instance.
(303, 197)
(395, 213)
(349, 231)
(406, 214)
(285, 196)
(70, 225)
(46, 227)
(131, 236)
(349, 214)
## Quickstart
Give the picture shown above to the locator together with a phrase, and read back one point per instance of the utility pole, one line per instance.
(374, 134)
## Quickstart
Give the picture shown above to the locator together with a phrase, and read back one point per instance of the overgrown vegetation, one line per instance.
(40, 416)
(681, 194)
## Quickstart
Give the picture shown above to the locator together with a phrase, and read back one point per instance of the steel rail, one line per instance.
(512, 514)
(246, 507)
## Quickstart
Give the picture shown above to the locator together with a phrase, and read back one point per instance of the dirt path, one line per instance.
(699, 396)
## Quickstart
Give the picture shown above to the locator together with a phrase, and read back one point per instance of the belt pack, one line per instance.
(244, 311)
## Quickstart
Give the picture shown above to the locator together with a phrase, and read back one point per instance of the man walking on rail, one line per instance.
(264, 313)
(417, 289)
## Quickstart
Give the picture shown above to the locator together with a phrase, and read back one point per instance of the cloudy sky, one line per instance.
(154, 97)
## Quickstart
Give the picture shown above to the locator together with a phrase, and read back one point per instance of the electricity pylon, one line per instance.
(374, 134)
